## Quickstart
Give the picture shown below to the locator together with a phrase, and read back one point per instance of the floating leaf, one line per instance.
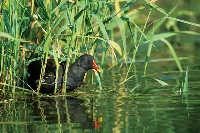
(161, 82)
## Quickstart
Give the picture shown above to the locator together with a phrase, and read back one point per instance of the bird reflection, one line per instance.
(66, 110)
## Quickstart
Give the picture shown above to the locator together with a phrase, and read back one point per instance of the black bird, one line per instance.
(75, 75)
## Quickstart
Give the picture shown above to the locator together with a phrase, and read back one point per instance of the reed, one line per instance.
(59, 30)
(64, 29)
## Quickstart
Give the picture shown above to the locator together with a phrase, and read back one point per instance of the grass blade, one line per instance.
(183, 21)
(101, 25)
(173, 54)
(123, 35)
(185, 85)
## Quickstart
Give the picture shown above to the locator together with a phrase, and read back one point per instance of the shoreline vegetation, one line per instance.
(63, 30)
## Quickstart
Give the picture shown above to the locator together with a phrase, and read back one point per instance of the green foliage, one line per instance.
(64, 29)
(185, 84)
(161, 82)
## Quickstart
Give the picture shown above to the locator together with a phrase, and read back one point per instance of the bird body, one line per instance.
(75, 74)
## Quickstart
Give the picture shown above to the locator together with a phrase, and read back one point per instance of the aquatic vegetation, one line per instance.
(63, 30)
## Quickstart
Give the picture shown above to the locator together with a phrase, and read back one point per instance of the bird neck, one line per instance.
(77, 69)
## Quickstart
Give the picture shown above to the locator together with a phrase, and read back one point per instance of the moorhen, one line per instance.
(75, 75)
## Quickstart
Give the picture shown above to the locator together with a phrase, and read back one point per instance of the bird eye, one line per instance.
(88, 62)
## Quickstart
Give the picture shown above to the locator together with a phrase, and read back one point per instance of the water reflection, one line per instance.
(150, 107)
(45, 114)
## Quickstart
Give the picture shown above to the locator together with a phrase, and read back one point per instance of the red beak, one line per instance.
(94, 66)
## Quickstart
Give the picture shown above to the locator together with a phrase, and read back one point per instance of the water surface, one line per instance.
(141, 104)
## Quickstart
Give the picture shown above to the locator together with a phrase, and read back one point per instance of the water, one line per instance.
(141, 104)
